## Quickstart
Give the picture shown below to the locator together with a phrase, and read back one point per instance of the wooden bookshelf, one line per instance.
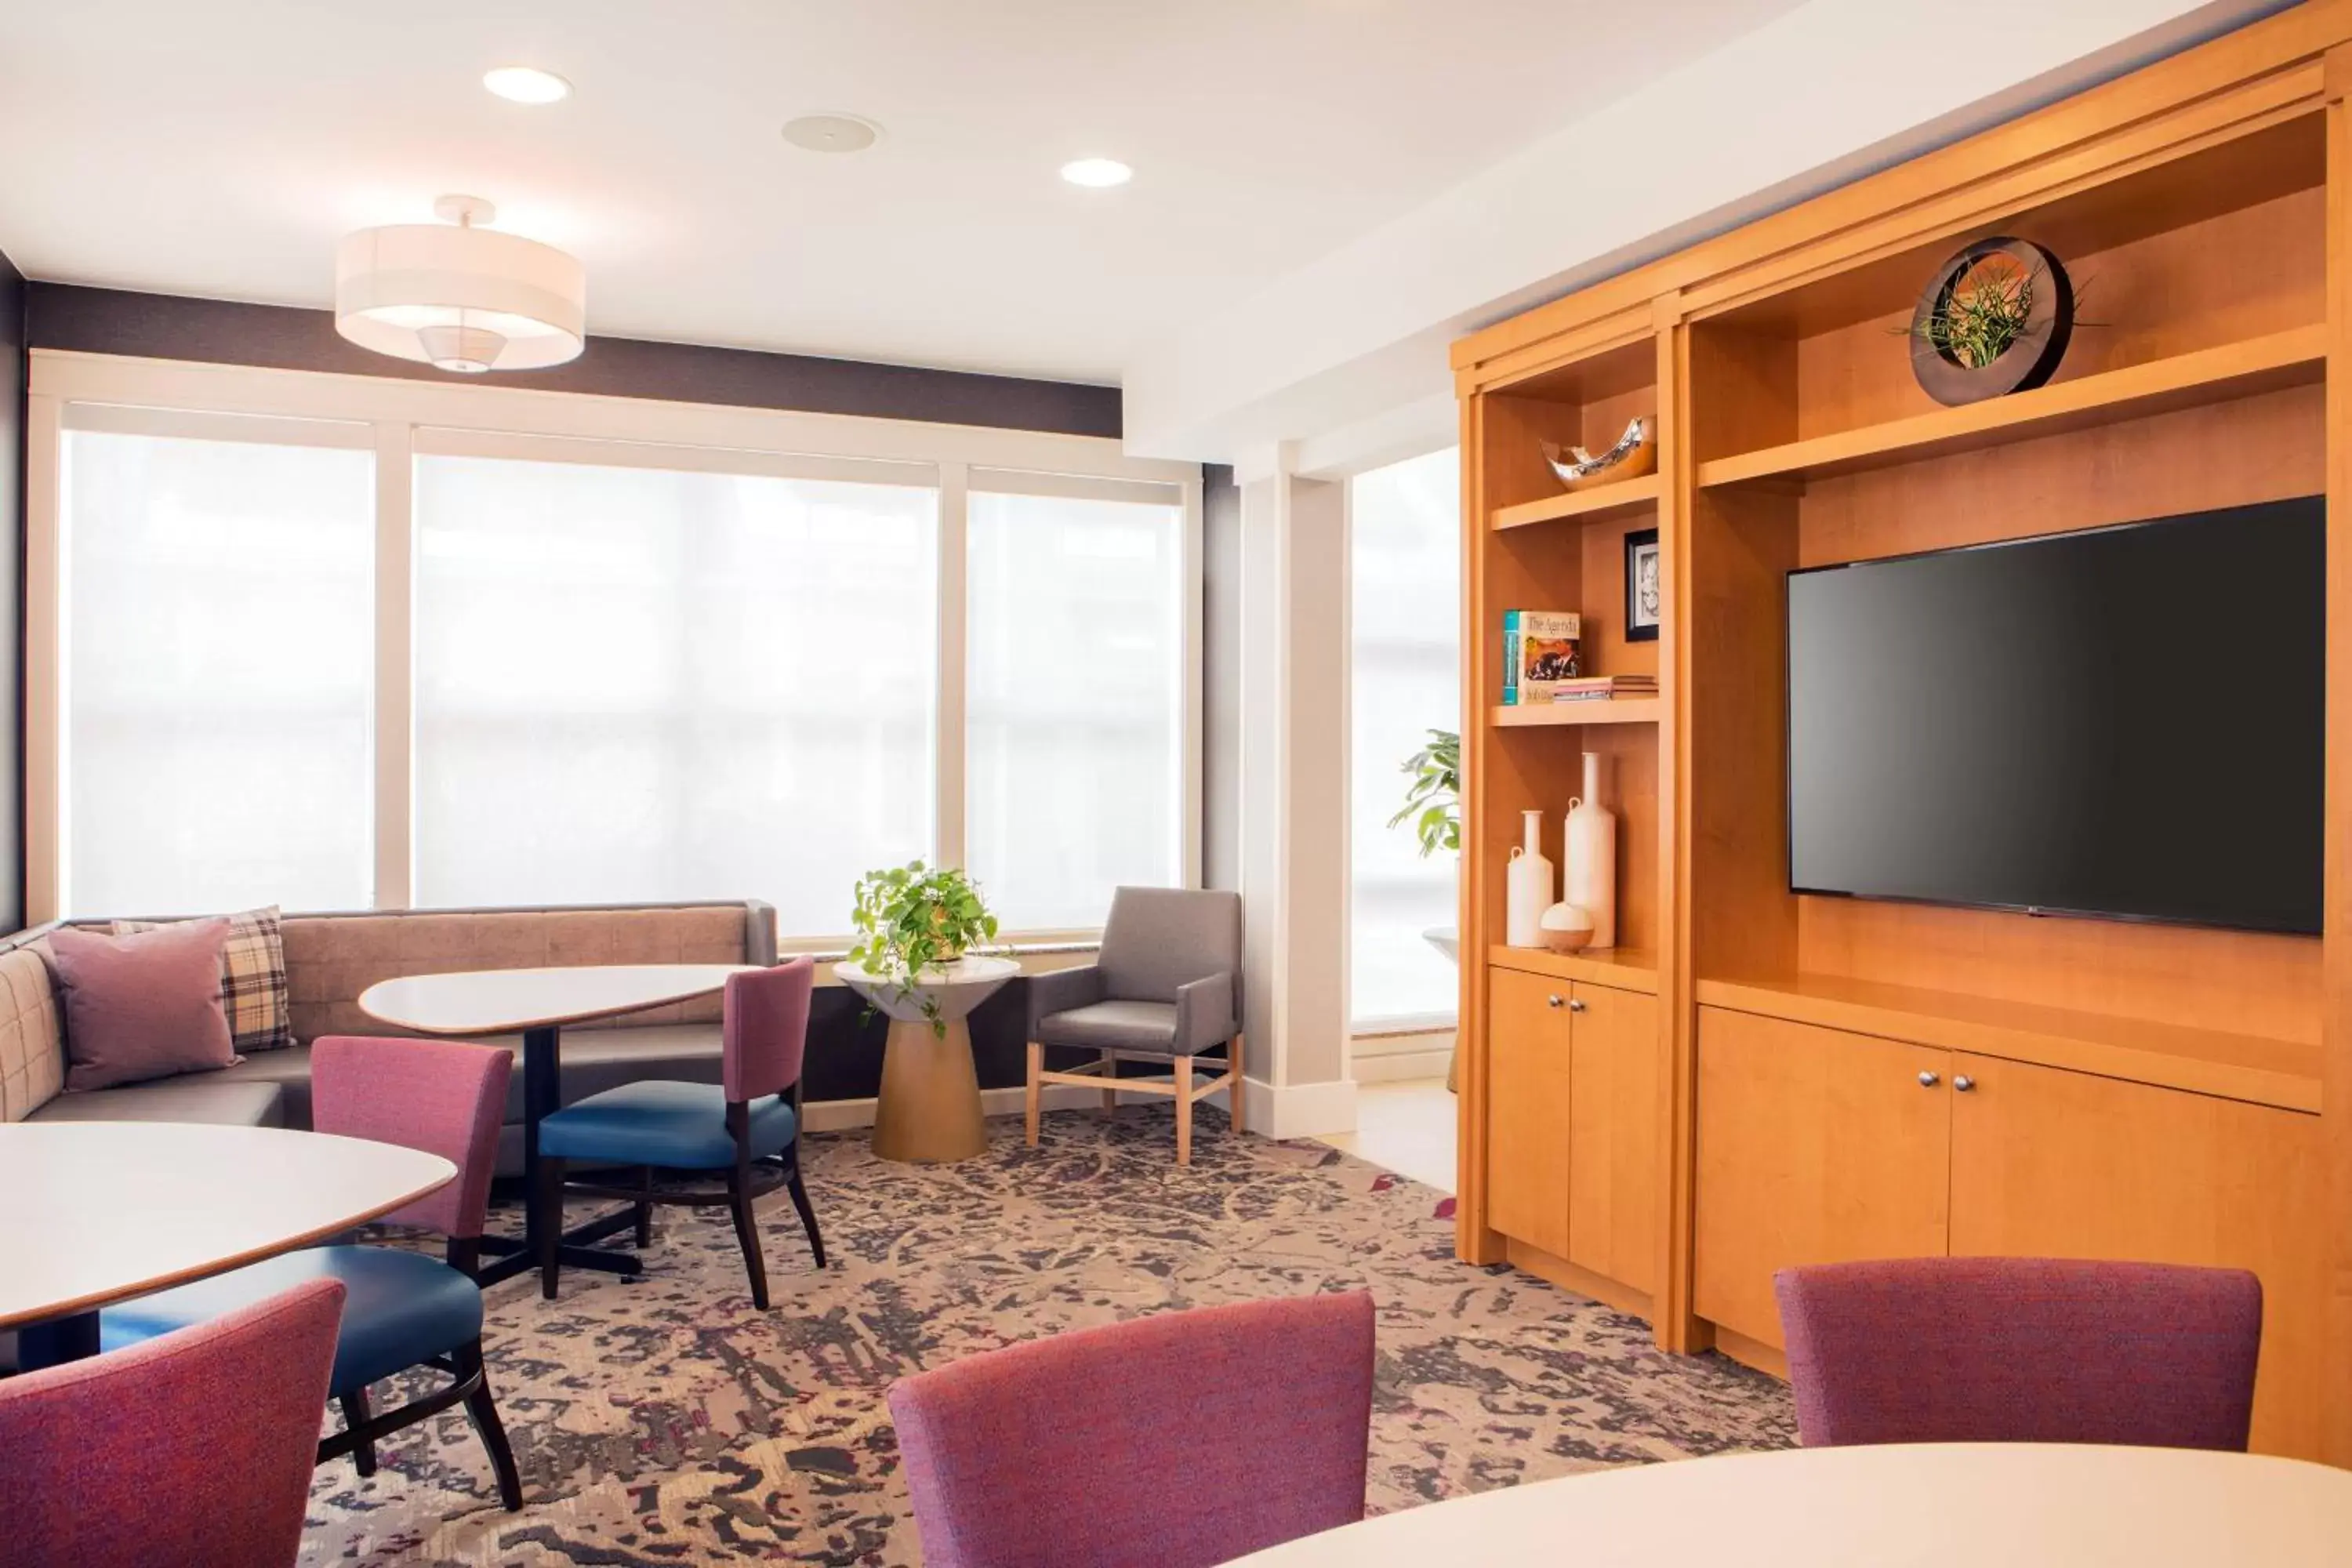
(2297, 357)
(1600, 503)
(1606, 711)
(2133, 1091)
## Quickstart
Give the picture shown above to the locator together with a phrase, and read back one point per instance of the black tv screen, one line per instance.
(2124, 722)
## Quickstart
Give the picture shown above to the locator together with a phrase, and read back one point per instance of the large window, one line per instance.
(1405, 553)
(1075, 725)
(333, 642)
(214, 627)
(640, 685)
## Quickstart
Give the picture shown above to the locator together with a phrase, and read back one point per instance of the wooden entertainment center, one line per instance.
(1754, 1078)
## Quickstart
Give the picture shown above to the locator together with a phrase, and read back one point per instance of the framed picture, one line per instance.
(1642, 593)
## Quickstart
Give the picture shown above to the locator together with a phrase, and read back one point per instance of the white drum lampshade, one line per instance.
(461, 297)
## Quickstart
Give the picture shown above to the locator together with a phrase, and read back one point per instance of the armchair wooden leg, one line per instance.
(355, 1415)
(1035, 1096)
(547, 1200)
(646, 1208)
(482, 1410)
(1184, 1111)
(1111, 1074)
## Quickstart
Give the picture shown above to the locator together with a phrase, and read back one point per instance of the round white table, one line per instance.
(1927, 1505)
(928, 1108)
(97, 1212)
(537, 1004)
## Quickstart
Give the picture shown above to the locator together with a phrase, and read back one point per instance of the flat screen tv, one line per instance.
(2125, 722)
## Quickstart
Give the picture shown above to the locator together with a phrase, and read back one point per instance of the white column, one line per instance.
(1294, 796)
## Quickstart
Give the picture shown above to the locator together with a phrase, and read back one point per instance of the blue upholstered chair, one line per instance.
(401, 1309)
(1166, 988)
(746, 1126)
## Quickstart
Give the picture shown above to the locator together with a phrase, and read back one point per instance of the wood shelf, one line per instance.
(1621, 968)
(2253, 1067)
(1600, 503)
(1603, 710)
(2295, 358)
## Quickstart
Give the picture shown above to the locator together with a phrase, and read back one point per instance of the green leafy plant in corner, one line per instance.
(1433, 804)
(912, 918)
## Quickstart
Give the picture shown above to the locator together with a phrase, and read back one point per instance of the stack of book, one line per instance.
(1601, 688)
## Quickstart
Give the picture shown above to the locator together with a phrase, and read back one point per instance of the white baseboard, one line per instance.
(1292, 1110)
(1301, 1109)
(838, 1115)
(1392, 1058)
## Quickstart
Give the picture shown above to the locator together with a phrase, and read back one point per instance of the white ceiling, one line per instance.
(220, 148)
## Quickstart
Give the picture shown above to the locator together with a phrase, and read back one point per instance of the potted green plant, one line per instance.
(1434, 801)
(915, 919)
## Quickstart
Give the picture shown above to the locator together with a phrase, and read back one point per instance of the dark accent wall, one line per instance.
(278, 337)
(12, 294)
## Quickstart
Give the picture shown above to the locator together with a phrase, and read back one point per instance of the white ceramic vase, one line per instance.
(1528, 888)
(1590, 848)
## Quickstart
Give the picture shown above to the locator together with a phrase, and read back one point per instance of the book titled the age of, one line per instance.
(1541, 648)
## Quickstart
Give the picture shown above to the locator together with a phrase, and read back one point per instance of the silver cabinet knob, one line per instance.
(1929, 1079)
(1552, 1001)
(1575, 1004)
(1964, 1083)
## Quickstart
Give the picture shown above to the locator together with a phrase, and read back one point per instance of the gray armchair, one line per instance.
(1167, 985)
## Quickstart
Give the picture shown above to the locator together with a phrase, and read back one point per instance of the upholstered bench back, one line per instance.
(32, 1036)
(330, 959)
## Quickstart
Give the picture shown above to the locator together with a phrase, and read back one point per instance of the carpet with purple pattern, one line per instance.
(664, 1421)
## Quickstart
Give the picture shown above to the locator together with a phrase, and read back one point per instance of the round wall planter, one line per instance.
(2029, 361)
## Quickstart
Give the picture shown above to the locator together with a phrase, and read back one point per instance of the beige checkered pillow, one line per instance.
(253, 980)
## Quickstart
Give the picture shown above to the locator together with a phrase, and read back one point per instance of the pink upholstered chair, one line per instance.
(1176, 1441)
(405, 1310)
(2021, 1350)
(194, 1448)
(746, 1126)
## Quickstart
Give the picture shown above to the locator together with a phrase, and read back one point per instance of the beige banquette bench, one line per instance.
(332, 957)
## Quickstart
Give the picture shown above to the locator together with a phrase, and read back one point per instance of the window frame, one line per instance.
(401, 419)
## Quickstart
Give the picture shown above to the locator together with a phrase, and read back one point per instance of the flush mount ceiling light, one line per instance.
(459, 296)
(832, 132)
(1096, 174)
(526, 84)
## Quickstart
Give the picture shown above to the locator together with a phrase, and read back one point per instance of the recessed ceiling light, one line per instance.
(526, 84)
(832, 134)
(1098, 172)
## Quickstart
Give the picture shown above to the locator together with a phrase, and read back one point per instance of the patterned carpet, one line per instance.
(663, 1421)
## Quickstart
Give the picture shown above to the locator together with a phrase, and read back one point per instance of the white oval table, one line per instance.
(99, 1212)
(928, 1111)
(1927, 1505)
(537, 1004)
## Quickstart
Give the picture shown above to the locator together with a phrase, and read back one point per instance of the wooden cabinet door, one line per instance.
(1612, 1143)
(1528, 1108)
(2051, 1164)
(1814, 1146)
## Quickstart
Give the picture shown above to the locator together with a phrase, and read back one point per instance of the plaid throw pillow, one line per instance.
(253, 980)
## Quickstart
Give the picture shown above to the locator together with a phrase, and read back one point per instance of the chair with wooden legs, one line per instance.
(403, 1309)
(1165, 987)
(745, 1128)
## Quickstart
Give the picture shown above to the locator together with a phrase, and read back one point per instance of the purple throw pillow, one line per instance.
(141, 1007)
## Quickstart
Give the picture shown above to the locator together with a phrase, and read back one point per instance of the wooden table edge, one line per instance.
(475, 1031)
(80, 1304)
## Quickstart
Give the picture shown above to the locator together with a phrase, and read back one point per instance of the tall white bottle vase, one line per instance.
(1528, 890)
(1590, 848)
